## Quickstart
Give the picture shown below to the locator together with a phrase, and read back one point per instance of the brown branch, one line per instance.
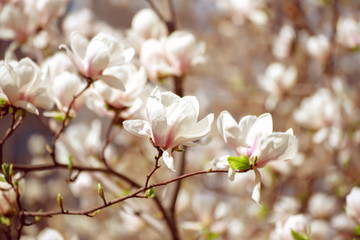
(66, 121)
(10, 131)
(156, 166)
(46, 167)
(123, 198)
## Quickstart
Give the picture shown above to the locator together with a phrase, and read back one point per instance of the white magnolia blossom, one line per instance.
(277, 80)
(95, 57)
(282, 44)
(254, 137)
(17, 21)
(353, 204)
(348, 32)
(172, 121)
(146, 25)
(318, 47)
(128, 101)
(175, 55)
(297, 223)
(324, 112)
(50, 9)
(64, 84)
(21, 19)
(322, 205)
(23, 85)
(252, 10)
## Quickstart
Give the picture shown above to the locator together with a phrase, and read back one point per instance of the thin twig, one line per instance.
(65, 122)
(123, 198)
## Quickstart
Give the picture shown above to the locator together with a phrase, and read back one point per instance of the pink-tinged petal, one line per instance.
(79, 44)
(229, 130)
(197, 131)
(157, 118)
(113, 81)
(220, 162)
(139, 128)
(181, 118)
(256, 192)
(277, 146)
(245, 125)
(168, 159)
(7, 83)
(96, 59)
(27, 106)
(261, 127)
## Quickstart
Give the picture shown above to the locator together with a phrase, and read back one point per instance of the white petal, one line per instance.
(256, 192)
(229, 129)
(261, 127)
(113, 82)
(198, 131)
(97, 58)
(139, 128)
(157, 118)
(7, 83)
(168, 160)
(79, 44)
(277, 146)
(27, 106)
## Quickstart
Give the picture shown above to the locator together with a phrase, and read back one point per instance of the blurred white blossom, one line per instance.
(348, 32)
(353, 204)
(277, 80)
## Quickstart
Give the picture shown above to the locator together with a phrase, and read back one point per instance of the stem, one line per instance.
(160, 153)
(9, 132)
(45, 167)
(117, 200)
(66, 121)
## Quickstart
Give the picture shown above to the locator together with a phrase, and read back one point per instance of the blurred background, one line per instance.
(298, 60)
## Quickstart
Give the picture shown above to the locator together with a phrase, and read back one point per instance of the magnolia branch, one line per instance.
(65, 121)
(90, 212)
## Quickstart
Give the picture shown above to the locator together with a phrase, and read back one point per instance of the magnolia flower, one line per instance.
(22, 85)
(183, 51)
(253, 137)
(175, 55)
(17, 22)
(297, 223)
(172, 121)
(321, 205)
(64, 84)
(146, 25)
(282, 44)
(318, 47)
(348, 32)
(50, 9)
(245, 9)
(128, 101)
(93, 58)
(353, 204)
(277, 80)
